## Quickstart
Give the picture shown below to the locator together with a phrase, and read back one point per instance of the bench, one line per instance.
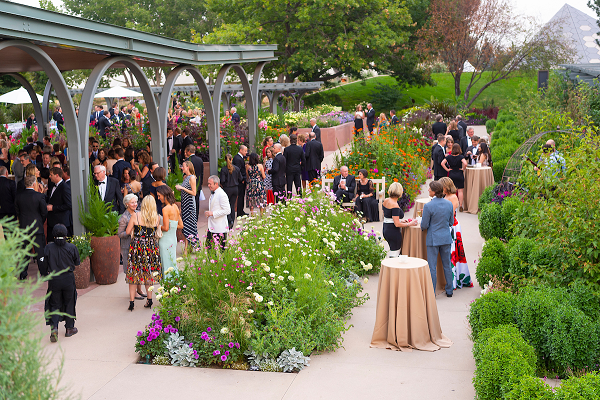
(379, 185)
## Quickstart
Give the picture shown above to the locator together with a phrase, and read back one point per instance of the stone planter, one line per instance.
(105, 259)
(82, 274)
(335, 136)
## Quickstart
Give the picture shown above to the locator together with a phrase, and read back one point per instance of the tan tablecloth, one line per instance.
(414, 244)
(419, 203)
(476, 180)
(407, 316)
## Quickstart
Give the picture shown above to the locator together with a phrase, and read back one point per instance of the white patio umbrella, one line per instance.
(118, 91)
(19, 96)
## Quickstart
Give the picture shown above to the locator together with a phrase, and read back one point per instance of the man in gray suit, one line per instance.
(438, 217)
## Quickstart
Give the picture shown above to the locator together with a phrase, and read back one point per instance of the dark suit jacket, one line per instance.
(239, 162)
(370, 116)
(61, 205)
(103, 124)
(185, 142)
(294, 159)
(177, 145)
(439, 127)
(464, 144)
(314, 155)
(118, 169)
(93, 157)
(350, 183)
(31, 209)
(235, 117)
(198, 169)
(8, 188)
(278, 170)
(395, 120)
(230, 179)
(438, 156)
(113, 195)
(317, 132)
(464, 126)
(60, 121)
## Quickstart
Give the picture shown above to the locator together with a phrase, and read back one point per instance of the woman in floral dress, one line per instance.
(256, 195)
(143, 260)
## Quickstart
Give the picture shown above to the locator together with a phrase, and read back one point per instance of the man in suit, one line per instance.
(463, 124)
(109, 189)
(439, 126)
(186, 141)
(59, 202)
(58, 117)
(104, 124)
(370, 114)
(238, 161)
(96, 115)
(8, 188)
(314, 157)
(467, 142)
(31, 208)
(218, 210)
(344, 186)
(235, 117)
(178, 145)
(190, 156)
(67, 179)
(278, 173)
(438, 218)
(438, 155)
(316, 129)
(170, 150)
(394, 118)
(295, 160)
(18, 168)
(120, 165)
(113, 110)
(95, 150)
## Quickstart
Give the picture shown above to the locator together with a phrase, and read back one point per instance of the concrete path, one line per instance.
(100, 363)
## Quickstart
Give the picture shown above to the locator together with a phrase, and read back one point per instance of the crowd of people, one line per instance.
(362, 118)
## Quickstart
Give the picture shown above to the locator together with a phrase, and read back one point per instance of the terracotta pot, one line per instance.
(105, 259)
(82, 274)
(180, 236)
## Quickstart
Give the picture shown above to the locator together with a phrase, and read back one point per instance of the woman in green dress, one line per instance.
(171, 222)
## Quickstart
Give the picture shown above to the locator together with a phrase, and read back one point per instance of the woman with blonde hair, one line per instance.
(143, 260)
(230, 177)
(392, 219)
(188, 202)
(31, 170)
(4, 154)
(453, 131)
(460, 267)
(383, 122)
(284, 140)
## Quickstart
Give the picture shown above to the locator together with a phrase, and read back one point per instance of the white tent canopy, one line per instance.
(19, 96)
(118, 91)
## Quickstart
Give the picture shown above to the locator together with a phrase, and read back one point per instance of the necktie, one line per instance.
(101, 183)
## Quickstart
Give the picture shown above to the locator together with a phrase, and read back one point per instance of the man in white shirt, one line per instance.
(218, 210)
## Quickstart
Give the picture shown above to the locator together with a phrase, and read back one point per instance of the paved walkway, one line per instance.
(100, 363)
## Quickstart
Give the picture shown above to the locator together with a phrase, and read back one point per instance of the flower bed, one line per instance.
(280, 291)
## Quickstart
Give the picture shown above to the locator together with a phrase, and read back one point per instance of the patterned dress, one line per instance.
(460, 267)
(269, 182)
(188, 212)
(144, 258)
(256, 195)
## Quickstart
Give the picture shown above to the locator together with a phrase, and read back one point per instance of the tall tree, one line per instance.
(492, 38)
(318, 40)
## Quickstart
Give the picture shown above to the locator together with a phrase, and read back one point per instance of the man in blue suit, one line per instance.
(438, 217)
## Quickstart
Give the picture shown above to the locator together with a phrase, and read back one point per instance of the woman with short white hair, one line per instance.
(130, 201)
(392, 219)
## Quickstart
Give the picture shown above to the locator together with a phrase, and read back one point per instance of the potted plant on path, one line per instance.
(102, 224)
(82, 272)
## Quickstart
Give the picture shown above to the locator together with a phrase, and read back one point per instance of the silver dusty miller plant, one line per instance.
(180, 352)
(292, 360)
(262, 362)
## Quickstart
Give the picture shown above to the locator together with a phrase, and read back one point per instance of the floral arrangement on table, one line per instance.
(399, 153)
(282, 289)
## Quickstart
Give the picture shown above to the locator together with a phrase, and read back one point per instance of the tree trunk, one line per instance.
(457, 76)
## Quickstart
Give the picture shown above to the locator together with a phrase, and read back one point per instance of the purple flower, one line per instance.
(196, 356)
(216, 353)
(140, 333)
(223, 358)
(191, 345)
(231, 345)
(166, 330)
(142, 342)
(221, 346)
(208, 329)
(177, 319)
(237, 345)
(226, 352)
(149, 338)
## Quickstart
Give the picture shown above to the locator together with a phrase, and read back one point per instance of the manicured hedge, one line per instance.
(491, 310)
(493, 261)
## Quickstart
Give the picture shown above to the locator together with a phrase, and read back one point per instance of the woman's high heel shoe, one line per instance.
(148, 303)
(141, 294)
(131, 304)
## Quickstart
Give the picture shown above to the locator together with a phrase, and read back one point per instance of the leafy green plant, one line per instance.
(519, 250)
(83, 245)
(490, 125)
(493, 261)
(486, 196)
(583, 388)
(99, 219)
(530, 388)
(385, 97)
(490, 221)
(175, 178)
(490, 310)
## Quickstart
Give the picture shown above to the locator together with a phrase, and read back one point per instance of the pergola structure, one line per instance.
(588, 73)
(33, 39)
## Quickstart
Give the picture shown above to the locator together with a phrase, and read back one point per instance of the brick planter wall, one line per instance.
(335, 136)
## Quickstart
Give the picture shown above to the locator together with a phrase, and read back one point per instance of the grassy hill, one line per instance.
(347, 96)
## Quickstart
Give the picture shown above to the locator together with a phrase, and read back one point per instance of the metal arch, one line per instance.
(515, 163)
(213, 127)
(87, 100)
(32, 95)
(46, 101)
(62, 92)
(253, 119)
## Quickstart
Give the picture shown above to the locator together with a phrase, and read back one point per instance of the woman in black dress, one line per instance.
(455, 164)
(359, 115)
(230, 176)
(366, 198)
(392, 219)
(453, 131)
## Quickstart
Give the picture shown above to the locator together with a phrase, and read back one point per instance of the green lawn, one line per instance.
(351, 94)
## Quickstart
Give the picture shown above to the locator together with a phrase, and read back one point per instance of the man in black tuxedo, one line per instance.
(314, 157)
(31, 208)
(109, 189)
(59, 202)
(370, 114)
(439, 127)
(104, 124)
(96, 115)
(467, 142)
(439, 155)
(394, 118)
(58, 117)
(294, 161)
(235, 117)
(8, 188)
(170, 149)
(95, 150)
(278, 173)
(186, 141)
(120, 165)
(344, 186)
(189, 153)
(463, 124)
(178, 145)
(238, 161)
(67, 179)
(316, 129)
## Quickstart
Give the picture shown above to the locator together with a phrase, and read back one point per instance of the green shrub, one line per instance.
(583, 297)
(530, 388)
(493, 261)
(99, 219)
(498, 168)
(486, 196)
(502, 358)
(491, 222)
(491, 310)
(510, 206)
(585, 388)
(490, 125)
(519, 250)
